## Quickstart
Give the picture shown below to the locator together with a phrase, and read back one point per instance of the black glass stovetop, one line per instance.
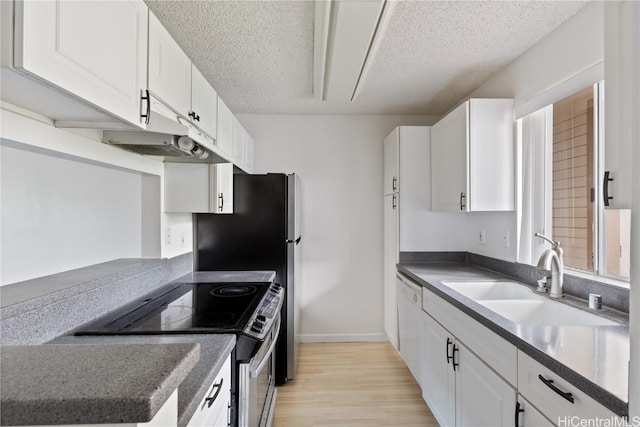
(185, 308)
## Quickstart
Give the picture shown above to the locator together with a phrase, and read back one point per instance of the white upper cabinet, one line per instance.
(249, 152)
(225, 128)
(204, 103)
(621, 71)
(392, 162)
(198, 187)
(95, 50)
(169, 69)
(237, 139)
(472, 158)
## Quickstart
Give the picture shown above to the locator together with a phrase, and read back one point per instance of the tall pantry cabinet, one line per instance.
(406, 172)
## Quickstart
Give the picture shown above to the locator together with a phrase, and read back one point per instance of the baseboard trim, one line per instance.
(343, 337)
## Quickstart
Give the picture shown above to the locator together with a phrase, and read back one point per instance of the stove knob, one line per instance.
(258, 324)
(257, 330)
(261, 318)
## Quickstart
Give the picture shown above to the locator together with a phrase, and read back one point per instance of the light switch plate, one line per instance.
(482, 237)
(506, 238)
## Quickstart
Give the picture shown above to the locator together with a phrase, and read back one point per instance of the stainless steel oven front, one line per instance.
(257, 384)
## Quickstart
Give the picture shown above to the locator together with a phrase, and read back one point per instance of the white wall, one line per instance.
(340, 162)
(59, 214)
(68, 201)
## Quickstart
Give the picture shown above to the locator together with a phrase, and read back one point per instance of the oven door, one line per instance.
(256, 386)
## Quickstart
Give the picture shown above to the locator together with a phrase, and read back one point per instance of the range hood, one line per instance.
(166, 134)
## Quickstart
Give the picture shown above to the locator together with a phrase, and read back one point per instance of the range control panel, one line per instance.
(266, 313)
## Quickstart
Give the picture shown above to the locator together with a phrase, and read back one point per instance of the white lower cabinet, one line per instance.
(483, 398)
(460, 389)
(213, 411)
(529, 416)
(553, 396)
(473, 377)
(438, 381)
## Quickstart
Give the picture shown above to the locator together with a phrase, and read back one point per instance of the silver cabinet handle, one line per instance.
(463, 199)
(394, 183)
(393, 203)
(221, 200)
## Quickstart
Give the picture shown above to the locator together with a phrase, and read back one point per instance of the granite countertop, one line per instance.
(214, 350)
(594, 358)
(88, 384)
(69, 380)
(228, 276)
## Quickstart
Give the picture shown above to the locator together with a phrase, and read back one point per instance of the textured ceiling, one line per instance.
(259, 54)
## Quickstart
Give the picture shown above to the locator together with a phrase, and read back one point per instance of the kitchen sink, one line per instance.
(544, 313)
(493, 290)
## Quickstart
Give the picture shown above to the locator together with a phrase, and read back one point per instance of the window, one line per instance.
(573, 192)
(561, 180)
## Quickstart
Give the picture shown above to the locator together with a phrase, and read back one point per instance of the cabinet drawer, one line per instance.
(494, 350)
(208, 411)
(550, 402)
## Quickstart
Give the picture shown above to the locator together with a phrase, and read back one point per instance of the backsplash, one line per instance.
(612, 296)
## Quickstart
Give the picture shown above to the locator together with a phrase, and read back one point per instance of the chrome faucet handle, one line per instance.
(555, 245)
(542, 285)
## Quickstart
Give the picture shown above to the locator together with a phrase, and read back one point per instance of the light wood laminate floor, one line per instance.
(351, 384)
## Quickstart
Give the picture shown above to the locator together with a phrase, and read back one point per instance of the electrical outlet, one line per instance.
(505, 238)
(167, 236)
(482, 237)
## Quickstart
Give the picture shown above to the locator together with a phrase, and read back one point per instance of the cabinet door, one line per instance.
(250, 146)
(78, 47)
(225, 128)
(187, 187)
(212, 412)
(222, 197)
(391, 204)
(438, 385)
(621, 73)
(204, 103)
(237, 141)
(482, 397)
(450, 161)
(392, 162)
(529, 416)
(169, 69)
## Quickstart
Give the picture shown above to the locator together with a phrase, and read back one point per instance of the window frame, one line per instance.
(599, 249)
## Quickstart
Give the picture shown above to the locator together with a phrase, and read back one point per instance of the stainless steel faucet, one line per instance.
(551, 259)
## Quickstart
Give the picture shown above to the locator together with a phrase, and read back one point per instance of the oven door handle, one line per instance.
(254, 372)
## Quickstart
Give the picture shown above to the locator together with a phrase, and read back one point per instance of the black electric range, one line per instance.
(249, 310)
